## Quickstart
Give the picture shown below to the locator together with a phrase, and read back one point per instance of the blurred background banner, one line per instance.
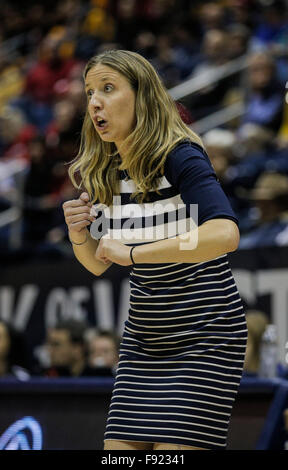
(37, 296)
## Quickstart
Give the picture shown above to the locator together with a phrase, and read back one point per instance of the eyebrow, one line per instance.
(102, 80)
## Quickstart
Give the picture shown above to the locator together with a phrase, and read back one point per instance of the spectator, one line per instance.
(165, 61)
(254, 140)
(270, 197)
(8, 184)
(76, 95)
(51, 66)
(66, 350)
(211, 16)
(209, 98)
(264, 102)
(145, 44)
(11, 78)
(64, 119)
(282, 137)
(272, 26)
(15, 133)
(257, 152)
(39, 202)
(128, 22)
(239, 36)
(103, 351)
(186, 48)
(99, 23)
(42, 86)
(214, 51)
(256, 324)
(220, 145)
(243, 12)
(158, 15)
(12, 353)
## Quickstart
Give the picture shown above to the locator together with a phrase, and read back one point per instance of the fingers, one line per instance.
(74, 214)
(100, 252)
(71, 219)
(81, 201)
(74, 203)
(78, 226)
(76, 208)
(103, 253)
(84, 197)
(77, 212)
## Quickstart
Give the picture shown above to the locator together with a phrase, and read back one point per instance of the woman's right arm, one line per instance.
(77, 217)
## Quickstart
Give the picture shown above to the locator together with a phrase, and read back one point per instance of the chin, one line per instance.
(106, 138)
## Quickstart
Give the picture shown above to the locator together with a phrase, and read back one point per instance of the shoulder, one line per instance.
(183, 150)
(186, 155)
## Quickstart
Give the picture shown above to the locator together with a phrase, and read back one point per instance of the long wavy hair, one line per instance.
(158, 129)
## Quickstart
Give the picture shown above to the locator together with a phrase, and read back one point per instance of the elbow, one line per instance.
(99, 272)
(225, 234)
(233, 237)
(96, 273)
(101, 268)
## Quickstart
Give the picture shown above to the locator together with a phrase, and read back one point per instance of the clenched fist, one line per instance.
(77, 216)
(113, 251)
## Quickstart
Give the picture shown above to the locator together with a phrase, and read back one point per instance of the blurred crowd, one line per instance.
(74, 349)
(43, 50)
(71, 349)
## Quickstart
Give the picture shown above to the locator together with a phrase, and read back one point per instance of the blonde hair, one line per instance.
(158, 129)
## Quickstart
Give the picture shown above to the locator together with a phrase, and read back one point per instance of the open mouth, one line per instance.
(100, 124)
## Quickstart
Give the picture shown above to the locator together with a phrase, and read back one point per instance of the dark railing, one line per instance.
(68, 413)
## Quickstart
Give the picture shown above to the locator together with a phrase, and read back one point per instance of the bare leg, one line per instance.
(167, 446)
(110, 444)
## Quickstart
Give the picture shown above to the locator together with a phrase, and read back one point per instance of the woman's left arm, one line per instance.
(213, 238)
(188, 169)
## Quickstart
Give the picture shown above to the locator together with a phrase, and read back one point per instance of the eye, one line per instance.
(107, 85)
(89, 93)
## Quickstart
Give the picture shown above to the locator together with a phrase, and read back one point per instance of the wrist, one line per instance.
(78, 238)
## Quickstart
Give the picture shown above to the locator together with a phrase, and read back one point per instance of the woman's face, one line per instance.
(111, 97)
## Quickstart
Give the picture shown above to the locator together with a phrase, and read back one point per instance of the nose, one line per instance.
(95, 101)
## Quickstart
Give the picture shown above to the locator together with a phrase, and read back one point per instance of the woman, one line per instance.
(183, 347)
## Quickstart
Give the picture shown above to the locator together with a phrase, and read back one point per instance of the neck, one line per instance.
(122, 151)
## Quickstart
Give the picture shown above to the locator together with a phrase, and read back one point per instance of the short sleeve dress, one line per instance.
(183, 346)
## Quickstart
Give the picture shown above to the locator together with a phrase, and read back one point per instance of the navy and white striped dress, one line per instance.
(184, 343)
